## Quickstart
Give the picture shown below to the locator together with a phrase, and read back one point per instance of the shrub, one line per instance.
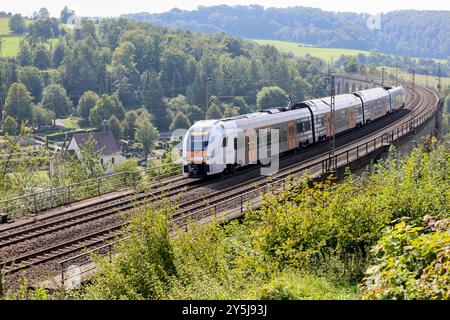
(412, 263)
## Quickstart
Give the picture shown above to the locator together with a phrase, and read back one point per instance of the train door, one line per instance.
(291, 136)
(235, 146)
(329, 125)
(372, 106)
(385, 106)
(246, 149)
(351, 118)
(251, 147)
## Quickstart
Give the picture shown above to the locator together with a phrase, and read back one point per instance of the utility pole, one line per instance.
(392, 74)
(439, 86)
(382, 76)
(413, 87)
(331, 79)
(396, 75)
(205, 86)
(1, 98)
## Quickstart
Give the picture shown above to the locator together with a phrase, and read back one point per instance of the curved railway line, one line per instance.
(18, 255)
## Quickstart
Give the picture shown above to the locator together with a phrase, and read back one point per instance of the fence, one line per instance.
(236, 206)
(75, 268)
(50, 198)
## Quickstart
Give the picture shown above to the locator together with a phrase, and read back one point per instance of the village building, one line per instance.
(104, 142)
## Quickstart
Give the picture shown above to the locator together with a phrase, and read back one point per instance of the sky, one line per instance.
(101, 8)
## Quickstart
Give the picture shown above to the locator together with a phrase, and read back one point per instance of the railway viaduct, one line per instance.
(350, 83)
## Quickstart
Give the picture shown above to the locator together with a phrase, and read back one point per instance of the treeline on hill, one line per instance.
(384, 235)
(406, 32)
(110, 68)
(375, 58)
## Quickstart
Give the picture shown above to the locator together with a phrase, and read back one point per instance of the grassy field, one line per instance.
(9, 42)
(4, 27)
(300, 49)
(327, 54)
(72, 123)
(10, 46)
(421, 79)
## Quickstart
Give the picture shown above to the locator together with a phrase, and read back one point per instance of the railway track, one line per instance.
(186, 209)
(219, 197)
(62, 249)
(76, 216)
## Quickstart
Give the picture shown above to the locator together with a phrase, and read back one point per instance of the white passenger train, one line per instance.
(216, 146)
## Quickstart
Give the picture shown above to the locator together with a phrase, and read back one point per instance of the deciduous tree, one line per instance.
(152, 98)
(17, 24)
(18, 103)
(146, 134)
(31, 77)
(86, 103)
(41, 58)
(42, 116)
(180, 121)
(55, 98)
(10, 126)
(115, 127)
(104, 108)
(271, 97)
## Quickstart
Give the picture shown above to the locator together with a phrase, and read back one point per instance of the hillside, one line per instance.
(407, 32)
(300, 50)
(9, 42)
(335, 55)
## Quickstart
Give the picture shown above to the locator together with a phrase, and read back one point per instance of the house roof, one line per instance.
(105, 141)
(64, 155)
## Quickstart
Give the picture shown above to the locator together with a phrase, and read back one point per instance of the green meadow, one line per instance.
(4, 27)
(10, 46)
(327, 54)
(300, 49)
(10, 42)
(420, 79)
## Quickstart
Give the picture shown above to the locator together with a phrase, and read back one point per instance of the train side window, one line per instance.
(224, 142)
(284, 135)
(299, 127)
(306, 126)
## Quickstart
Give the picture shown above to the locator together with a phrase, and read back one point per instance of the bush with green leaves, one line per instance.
(302, 224)
(10, 126)
(308, 241)
(413, 262)
(130, 166)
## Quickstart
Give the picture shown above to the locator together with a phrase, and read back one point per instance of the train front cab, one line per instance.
(195, 153)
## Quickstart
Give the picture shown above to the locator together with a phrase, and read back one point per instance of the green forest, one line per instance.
(413, 33)
(111, 68)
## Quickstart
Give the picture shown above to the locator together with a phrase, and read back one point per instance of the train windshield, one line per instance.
(198, 140)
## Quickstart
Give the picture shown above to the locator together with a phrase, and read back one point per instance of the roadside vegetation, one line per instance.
(380, 236)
